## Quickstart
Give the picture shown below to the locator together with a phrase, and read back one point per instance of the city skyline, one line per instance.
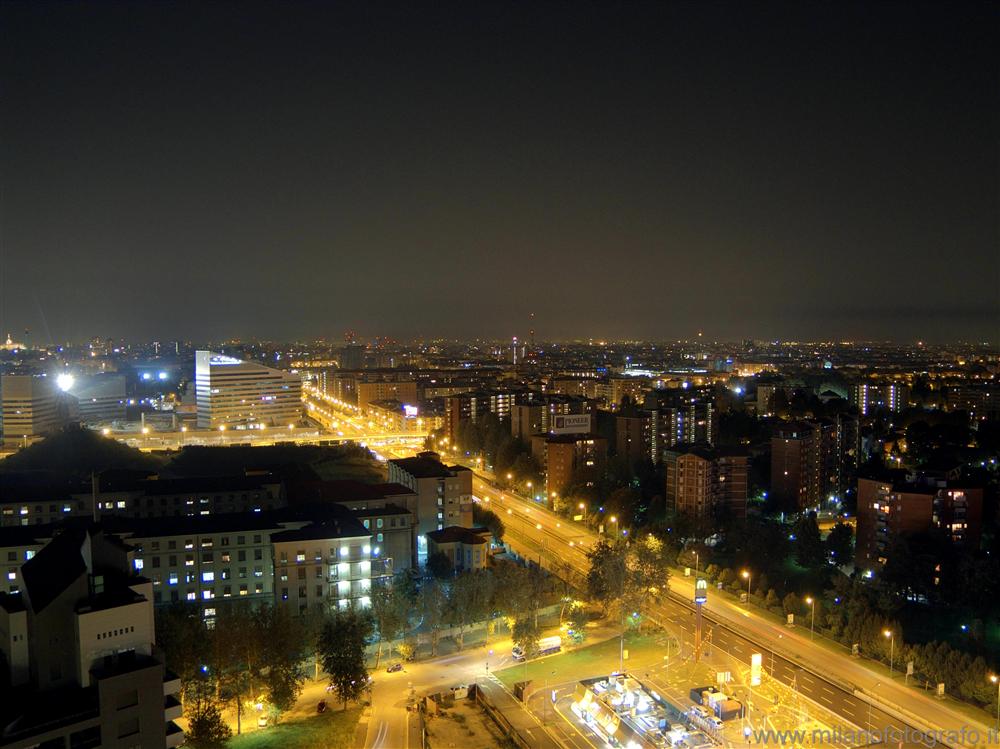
(642, 172)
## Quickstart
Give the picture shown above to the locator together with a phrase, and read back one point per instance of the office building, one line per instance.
(913, 505)
(99, 397)
(30, 408)
(78, 643)
(706, 483)
(231, 393)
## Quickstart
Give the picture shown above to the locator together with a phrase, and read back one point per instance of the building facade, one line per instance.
(704, 483)
(233, 393)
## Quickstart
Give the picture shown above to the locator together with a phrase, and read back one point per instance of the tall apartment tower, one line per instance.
(804, 464)
(233, 392)
(704, 482)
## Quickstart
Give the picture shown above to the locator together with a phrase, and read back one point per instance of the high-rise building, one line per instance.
(241, 394)
(682, 416)
(869, 397)
(30, 407)
(78, 643)
(633, 436)
(562, 455)
(804, 464)
(892, 507)
(704, 482)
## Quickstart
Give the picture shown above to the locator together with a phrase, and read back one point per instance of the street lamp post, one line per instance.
(996, 680)
(892, 646)
(812, 615)
(747, 577)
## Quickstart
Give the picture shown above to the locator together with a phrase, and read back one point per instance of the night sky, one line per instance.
(290, 170)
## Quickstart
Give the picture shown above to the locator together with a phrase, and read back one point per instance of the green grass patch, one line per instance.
(333, 729)
(592, 660)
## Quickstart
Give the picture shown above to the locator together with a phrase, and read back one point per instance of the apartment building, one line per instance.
(78, 643)
(322, 565)
(704, 482)
(444, 494)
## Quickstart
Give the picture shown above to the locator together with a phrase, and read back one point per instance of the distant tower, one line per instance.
(514, 347)
(531, 333)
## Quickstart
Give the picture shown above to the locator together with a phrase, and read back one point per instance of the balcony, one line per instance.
(171, 683)
(172, 709)
(175, 736)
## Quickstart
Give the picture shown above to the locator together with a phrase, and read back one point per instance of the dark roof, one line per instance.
(206, 484)
(707, 452)
(346, 528)
(198, 524)
(568, 439)
(424, 468)
(341, 491)
(24, 535)
(11, 602)
(122, 480)
(458, 534)
(54, 568)
(384, 510)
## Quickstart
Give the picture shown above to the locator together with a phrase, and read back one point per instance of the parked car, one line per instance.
(321, 707)
(394, 668)
(262, 721)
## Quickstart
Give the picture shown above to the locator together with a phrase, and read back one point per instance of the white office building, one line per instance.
(230, 392)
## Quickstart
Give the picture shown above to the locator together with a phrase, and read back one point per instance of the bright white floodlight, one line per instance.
(65, 381)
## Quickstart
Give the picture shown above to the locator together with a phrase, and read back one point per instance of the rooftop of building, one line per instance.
(458, 534)
(55, 567)
(570, 439)
(424, 466)
(380, 511)
(342, 491)
(332, 529)
(708, 452)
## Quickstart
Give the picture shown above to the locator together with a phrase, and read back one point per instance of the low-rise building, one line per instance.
(466, 548)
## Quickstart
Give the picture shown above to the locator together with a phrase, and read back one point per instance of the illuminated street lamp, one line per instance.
(812, 617)
(746, 576)
(892, 646)
(996, 680)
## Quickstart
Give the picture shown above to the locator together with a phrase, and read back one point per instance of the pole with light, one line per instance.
(747, 577)
(892, 646)
(812, 615)
(996, 680)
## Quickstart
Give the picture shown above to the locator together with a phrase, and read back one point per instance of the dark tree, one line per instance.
(440, 566)
(808, 546)
(840, 543)
(341, 649)
(488, 519)
(206, 729)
